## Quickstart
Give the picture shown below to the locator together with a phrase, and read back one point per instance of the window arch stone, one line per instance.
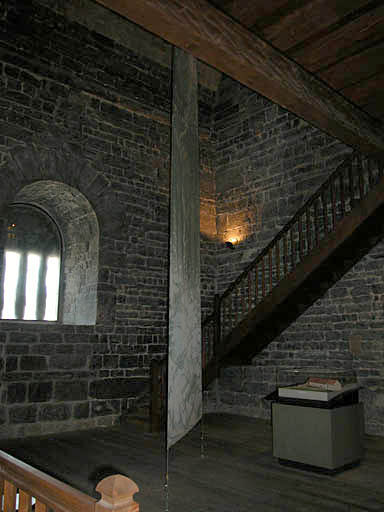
(78, 225)
(78, 196)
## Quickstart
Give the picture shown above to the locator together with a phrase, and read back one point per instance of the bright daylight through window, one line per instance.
(31, 266)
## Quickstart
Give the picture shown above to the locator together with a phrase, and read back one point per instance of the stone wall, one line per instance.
(268, 163)
(83, 110)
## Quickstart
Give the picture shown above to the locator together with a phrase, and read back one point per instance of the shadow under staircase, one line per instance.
(334, 229)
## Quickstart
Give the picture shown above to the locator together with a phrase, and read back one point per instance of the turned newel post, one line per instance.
(117, 494)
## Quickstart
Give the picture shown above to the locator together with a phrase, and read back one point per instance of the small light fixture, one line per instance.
(229, 244)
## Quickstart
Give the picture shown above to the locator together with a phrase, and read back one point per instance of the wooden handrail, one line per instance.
(302, 234)
(344, 165)
(117, 494)
(117, 491)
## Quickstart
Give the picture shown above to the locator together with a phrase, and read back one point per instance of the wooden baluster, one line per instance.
(371, 180)
(230, 311)
(351, 189)
(361, 178)
(242, 297)
(293, 259)
(278, 261)
(316, 214)
(250, 290)
(342, 195)
(41, 507)
(237, 304)
(333, 202)
(117, 494)
(25, 501)
(270, 268)
(256, 283)
(263, 276)
(157, 370)
(309, 237)
(9, 497)
(1, 487)
(285, 255)
(301, 245)
(325, 212)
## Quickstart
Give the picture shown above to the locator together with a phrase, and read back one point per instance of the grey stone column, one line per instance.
(184, 354)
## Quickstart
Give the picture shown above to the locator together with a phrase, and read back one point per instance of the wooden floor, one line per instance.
(237, 473)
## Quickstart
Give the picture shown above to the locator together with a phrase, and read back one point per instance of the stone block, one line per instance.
(110, 361)
(21, 337)
(117, 388)
(16, 392)
(40, 391)
(71, 391)
(67, 361)
(33, 363)
(17, 349)
(128, 361)
(105, 407)
(23, 414)
(54, 412)
(81, 410)
(45, 349)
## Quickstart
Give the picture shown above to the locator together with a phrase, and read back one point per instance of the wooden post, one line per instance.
(158, 372)
(117, 494)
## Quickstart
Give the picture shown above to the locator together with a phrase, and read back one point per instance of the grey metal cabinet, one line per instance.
(325, 438)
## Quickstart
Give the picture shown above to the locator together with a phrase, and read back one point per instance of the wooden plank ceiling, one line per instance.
(340, 41)
(320, 59)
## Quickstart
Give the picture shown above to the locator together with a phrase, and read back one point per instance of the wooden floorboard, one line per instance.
(237, 473)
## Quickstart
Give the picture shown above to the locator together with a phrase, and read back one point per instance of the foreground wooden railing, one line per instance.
(314, 221)
(22, 483)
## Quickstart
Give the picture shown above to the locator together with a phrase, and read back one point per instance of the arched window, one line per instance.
(31, 273)
(49, 256)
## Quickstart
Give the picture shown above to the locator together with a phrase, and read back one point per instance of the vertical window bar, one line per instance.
(20, 289)
(11, 277)
(32, 284)
(42, 289)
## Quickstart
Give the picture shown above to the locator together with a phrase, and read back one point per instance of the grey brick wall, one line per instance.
(268, 162)
(82, 109)
(89, 111)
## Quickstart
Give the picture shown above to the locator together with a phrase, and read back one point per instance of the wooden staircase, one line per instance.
(340, 223)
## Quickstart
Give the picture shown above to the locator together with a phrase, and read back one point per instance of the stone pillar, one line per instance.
(184, 354)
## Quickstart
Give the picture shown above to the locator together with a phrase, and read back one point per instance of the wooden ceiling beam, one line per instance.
(309, 19)
(249, 13)
(213, 37)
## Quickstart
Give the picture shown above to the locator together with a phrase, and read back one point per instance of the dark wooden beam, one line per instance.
(249, 13)
(363, 92)
(213, 37)
(355, 68)
(307, 20)
(342, 41)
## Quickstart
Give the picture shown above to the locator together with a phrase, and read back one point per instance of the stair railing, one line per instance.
(335, 198)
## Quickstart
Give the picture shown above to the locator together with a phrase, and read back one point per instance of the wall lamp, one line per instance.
(229, 244)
